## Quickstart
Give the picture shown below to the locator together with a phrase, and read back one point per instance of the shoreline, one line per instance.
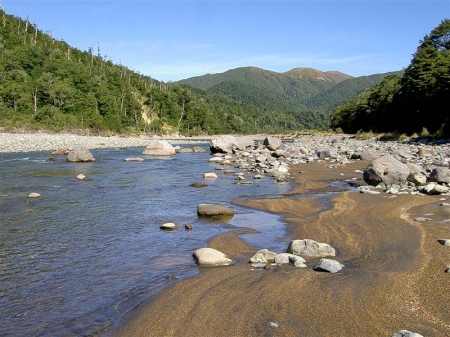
(33, 142)
(394, 276)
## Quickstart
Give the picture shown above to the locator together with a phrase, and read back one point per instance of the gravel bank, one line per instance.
(28, 142)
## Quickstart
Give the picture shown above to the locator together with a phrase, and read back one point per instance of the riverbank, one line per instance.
(29, 142)
(394, 276)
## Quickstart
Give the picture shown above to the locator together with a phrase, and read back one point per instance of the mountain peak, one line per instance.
(327, 76)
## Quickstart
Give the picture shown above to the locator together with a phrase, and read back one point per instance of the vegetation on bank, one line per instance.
(418, 101)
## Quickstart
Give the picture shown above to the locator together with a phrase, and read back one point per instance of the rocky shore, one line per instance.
(388, 238)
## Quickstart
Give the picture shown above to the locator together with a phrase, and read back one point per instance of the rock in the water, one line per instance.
(263, 256)
(137, 159)
(225, 143)
(406, 333)
(81, 176)
(80, 154)
(211, 210)
(209, 257)
(272, 143)
(34, 195)
(198, 149)
(386, 169)
(198, 184)
(308, 247)
(210, 175)
(328, 265)
(64, 151)
(168, 226)
(159, 148)
(188, 227)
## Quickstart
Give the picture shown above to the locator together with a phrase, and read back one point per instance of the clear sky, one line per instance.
(172, 40)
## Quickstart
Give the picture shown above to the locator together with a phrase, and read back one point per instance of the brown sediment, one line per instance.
(393, 277)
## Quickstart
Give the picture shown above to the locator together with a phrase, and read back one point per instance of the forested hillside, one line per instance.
(308, 94)
(47, 84)
(416, 101)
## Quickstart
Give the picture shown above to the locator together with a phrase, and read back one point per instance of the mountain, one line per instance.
(299, 91)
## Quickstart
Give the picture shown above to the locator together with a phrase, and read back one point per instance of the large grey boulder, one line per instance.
(209, 257)
(440, 174)
(226, 143)
(328, 265)
(159, 148)
(211, 210)
(406, 333)
(272, 143)
(80, 154)
(326, 153)
(387, 170)
(263, 256)
(308, 247)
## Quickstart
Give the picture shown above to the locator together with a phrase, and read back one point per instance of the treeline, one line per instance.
(47, 84)
(416, 102)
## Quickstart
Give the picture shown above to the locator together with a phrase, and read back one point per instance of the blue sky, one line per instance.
(171, 40)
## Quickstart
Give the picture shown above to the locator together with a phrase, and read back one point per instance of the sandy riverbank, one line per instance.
(393, 277)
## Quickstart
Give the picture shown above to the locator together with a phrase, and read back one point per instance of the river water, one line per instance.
(76, 260)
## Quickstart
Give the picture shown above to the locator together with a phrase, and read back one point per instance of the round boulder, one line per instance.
(80, 154)
(159, 148)
(387, 170)
(331, 266)
(308, 247)
(209, 257)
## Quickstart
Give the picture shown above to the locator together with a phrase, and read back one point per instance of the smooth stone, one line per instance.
(80, 154)
(137, 159)
(328, 265)
(263, 256)
(34, 195)
(159, 148)
(422, 219)
(444, 242)
(188, 227)
(209, 257)
(210, 175)
(81, 176)
(198, 184)
(168, 226)
(212, 210)
(406, 333)
(310, 247)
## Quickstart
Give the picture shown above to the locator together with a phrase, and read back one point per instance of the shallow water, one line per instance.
(74, 261)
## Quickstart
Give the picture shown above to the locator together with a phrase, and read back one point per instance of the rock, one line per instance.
(209, 257)
(198, 149)
(211, 210)
(308, 247)
(81, 176)
(168, 226)
(387, 170)
(210, 175)
(444, 242)
(80, 154)
(328, 265)
(187, 227)
(226, 143)
(34, 195)
(263, 256)
(64, 151)
(369, 156)
(216, 160)
(159, 148)
(440, 175)
(137, 159)
(198, 184)
(422, 219)
(406, 333)
(272, 143)
(287, 258)
(185, 150)
(327, 153)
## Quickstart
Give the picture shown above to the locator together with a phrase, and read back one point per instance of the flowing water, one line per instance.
(76, 260)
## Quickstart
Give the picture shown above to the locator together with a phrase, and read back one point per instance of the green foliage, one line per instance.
(414, 102)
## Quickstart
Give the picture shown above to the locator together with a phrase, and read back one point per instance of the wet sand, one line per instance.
(393, 278)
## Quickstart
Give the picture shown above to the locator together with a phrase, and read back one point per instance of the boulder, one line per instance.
(34, 195)
(328, 265)
(209, 257)
(198, 149)
(210, 175)
(80, 154)
(387, 170)
(263, 256)
(159, 148)
(81, 176)
(198, 184)
(211, 210)
(326, 153)
(63, 151)
(226, 143)
(440, 174)
(168, 226)
(272, 143)
(308, 247)
(406, 333)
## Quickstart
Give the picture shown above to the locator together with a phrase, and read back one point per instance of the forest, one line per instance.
(414, 102)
